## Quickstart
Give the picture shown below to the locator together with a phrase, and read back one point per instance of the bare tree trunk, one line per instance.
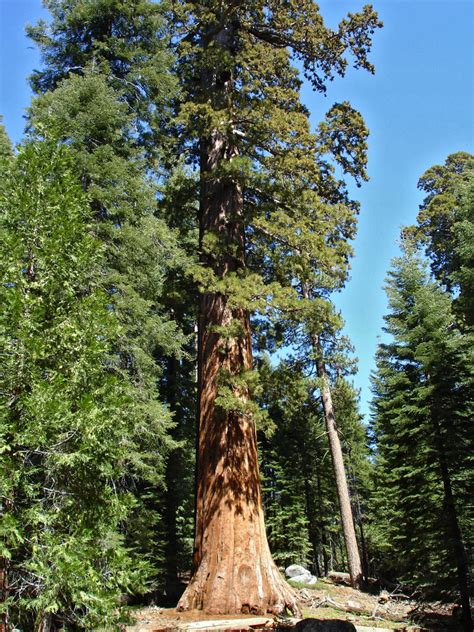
(353, 556)
(233, 568)
(4, 583)
(322, 528)
(170, 509)
(234, 571)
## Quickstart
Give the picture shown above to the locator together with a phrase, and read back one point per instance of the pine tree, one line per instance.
(5, 144)
(74, 441)
(124, 40)
(421, 411)
(105, 89)
(299, 486)
(110, 62)
(264, 183)
(347, 519)
(286, 461)
(445, 226)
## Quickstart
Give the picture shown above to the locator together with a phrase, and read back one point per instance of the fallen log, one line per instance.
(340, 578)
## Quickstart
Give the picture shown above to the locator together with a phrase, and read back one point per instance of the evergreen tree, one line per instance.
(347, 519)
(356, 454)
(269, 204)
(125, 40)
(422, 407)
(299, 487)
(105, 89)
(286, 461)
(140, 250)
(445, 226)
(122, 48)
(5, 144)
(463, 276)
(74, 440)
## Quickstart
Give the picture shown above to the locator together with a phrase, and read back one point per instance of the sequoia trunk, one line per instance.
(233, 568)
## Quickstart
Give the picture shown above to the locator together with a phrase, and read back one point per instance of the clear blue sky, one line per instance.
(419, 107)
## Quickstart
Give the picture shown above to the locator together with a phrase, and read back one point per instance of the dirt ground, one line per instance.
(380, 612)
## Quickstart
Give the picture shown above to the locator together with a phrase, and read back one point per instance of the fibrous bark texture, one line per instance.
(234, 571)
(233, 568)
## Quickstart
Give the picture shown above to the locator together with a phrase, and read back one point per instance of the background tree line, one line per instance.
(101, 280)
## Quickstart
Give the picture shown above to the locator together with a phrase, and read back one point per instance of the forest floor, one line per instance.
(382, 612)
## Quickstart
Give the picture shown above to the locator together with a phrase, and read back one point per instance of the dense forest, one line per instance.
(178, 418)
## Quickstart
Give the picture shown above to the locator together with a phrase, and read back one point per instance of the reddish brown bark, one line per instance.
(234, 570)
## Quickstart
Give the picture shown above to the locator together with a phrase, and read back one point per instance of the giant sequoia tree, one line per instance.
(269, 205)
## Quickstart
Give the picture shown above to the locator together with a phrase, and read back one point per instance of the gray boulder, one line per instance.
(307, 579)
(295, 569)
(316, 625)
(300, 574)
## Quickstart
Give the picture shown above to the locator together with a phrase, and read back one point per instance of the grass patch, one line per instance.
(319, 585)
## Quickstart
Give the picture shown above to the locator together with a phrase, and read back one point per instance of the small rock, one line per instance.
(353, 605)
(297, 573)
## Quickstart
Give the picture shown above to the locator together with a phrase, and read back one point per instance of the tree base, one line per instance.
(250, 589)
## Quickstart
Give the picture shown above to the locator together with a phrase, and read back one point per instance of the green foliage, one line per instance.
(445, 227)
(284, 461)
(105, 90)
(238, 67)
(422, 406)
(463, 276)
(297, 215)
(74, 439)
(124, 40)
(300, 499)
(6, 150)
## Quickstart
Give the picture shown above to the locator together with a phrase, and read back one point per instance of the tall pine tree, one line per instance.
(106, 88)
(445, 227)
(422, 407)
(73, 440)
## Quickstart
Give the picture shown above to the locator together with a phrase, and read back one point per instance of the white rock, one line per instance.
(296, 569)
(307, 579)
